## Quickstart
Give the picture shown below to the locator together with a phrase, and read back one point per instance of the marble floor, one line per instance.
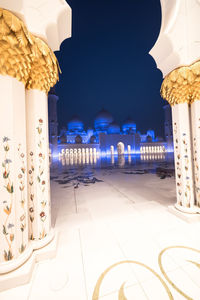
(117, 241)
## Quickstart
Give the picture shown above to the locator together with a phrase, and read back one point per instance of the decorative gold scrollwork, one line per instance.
(121, 294)
(24, 56)
(165, 274)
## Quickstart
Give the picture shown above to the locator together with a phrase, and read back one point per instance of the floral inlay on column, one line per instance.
(8, 204)
(187, 195)
(178, 163)
(41, 178)
(31, 195)
(196, 164)
(22, 183)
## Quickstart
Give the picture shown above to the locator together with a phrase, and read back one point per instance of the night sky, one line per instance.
(106, 63)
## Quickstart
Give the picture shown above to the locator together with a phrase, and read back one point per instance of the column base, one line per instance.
(188, 210)
(16, 263)
(45, 241)
(189, 216)
(23, 272)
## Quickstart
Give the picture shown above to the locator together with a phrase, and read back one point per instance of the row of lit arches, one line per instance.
(79, 151)
(152, 149)
(78, 159)
(120, 150)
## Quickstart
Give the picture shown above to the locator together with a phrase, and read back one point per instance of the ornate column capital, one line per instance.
(45, 69)
(24, 56)
(182, 85)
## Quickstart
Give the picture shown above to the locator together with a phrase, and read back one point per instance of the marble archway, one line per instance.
(28, 69)
(120, 148)
(178, 60)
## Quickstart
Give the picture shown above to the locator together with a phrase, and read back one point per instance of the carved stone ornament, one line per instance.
(24, 56)
(50, 20)
(178, 43)
(182, 85)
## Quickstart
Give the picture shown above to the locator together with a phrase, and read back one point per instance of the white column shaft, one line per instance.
(38, 165)
(13, 176)
(195, 120)
(183, 156)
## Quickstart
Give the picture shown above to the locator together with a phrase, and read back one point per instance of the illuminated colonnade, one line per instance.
(178, 59)
(28, 68)
(74, 156)
(152, 149)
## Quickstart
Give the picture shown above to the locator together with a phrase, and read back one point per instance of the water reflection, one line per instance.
(121, 160)
(129, 159)
(160, 156)
(82, 158)
(112, 159)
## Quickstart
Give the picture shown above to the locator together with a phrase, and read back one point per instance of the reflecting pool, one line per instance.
(136, 161)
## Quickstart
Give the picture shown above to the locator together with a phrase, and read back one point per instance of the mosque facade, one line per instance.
(106, 136)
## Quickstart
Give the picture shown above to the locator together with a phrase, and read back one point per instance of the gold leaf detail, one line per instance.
(4, 29)
(182, 85)
(24, 56)
(12, 21)
(23, 42)
(10, 39)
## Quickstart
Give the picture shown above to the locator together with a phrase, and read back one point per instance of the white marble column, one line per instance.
(183, 157)
(38, 168)
(14, 244)
(195, 121)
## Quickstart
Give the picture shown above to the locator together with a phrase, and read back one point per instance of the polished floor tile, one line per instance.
(111, 234)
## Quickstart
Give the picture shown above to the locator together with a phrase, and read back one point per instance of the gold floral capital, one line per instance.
(24, 56)
(182, 85)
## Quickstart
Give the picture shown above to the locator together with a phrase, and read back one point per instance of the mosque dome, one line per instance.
(113, 128)
(103, 120)
(129, 126)
(75, 125)
(151, 133)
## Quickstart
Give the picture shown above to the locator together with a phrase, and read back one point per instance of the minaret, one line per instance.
(53, 121)
(168, 127)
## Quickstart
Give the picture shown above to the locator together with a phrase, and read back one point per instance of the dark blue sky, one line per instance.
(106, 63)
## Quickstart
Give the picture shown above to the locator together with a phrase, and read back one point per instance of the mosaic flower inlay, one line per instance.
(8, 226)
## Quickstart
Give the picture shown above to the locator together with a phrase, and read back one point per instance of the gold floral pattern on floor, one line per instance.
(165, 274)
(121, 293)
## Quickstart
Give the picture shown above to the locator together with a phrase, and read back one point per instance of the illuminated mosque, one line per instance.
(106, 136)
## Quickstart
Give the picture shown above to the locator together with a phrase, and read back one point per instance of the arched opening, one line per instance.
(120, 148)
(129, 149)
(112, 150)
(78, 139)
(93, 139)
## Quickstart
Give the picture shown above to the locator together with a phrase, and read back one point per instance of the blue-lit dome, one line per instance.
(129, 126)
(113, 128)
(151, 133)
(103, 120)
(75, 125)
